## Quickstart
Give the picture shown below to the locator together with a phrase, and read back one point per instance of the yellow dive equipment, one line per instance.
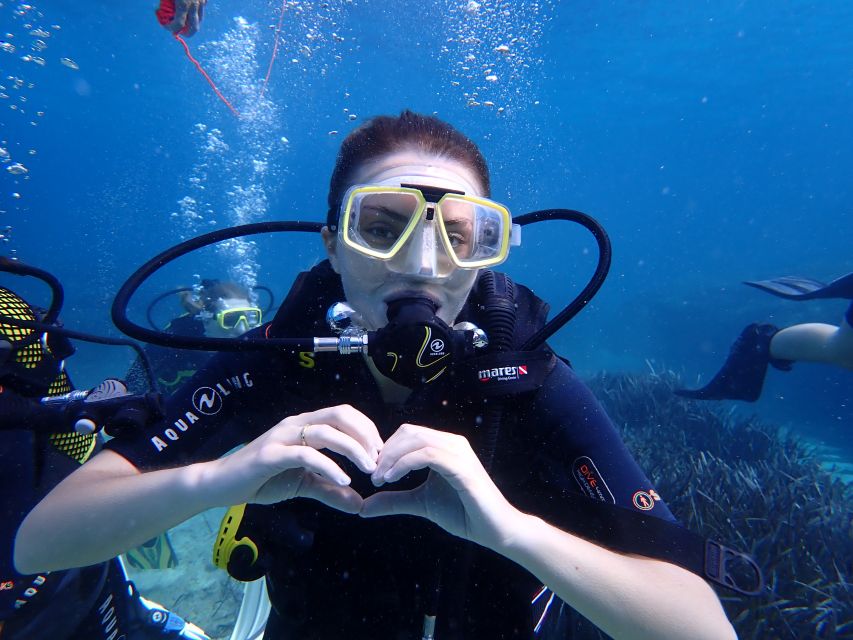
(156, 553)
(226, 541)
(35, 354)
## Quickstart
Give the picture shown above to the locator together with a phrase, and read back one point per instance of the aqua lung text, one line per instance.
(207, 401)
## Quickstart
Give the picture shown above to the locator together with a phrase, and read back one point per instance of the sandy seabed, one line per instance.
(195, 589)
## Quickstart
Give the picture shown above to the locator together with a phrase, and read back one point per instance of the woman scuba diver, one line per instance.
(340, 450)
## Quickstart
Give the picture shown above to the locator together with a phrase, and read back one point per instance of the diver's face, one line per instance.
(237, 324)
(370, 283)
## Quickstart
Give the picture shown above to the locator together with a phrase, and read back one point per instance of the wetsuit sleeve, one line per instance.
(226, 403)
(579, 450)
(18, 412)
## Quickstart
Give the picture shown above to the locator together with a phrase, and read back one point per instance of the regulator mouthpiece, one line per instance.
(417, 347)
(412, 310)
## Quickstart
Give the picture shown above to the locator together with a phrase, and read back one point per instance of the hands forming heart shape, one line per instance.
(286, 462)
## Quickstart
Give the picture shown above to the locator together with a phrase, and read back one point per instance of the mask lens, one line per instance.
(476, 232)
(379, 220)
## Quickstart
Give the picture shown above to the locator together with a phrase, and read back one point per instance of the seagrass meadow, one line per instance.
(755, 487)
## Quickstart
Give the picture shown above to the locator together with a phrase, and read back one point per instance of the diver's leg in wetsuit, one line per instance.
(760, 345)
(742, 375)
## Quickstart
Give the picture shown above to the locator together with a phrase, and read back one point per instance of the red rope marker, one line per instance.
(206, 77)
(274, 47)
(165, 15)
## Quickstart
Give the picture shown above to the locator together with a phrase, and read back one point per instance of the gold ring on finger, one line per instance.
(302, 433)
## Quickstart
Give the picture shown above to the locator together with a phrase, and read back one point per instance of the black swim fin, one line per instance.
(797, 288)
(742, 375)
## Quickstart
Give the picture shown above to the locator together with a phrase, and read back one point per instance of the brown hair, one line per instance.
(386, 134)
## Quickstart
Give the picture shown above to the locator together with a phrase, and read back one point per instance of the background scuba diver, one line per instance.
(217, 309)
(759, 345)
(37, 450)
(361, 577)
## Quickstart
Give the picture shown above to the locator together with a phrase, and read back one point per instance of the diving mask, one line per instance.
(230, 319)
(422, 230)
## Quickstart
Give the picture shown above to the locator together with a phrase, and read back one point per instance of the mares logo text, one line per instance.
(502, 374)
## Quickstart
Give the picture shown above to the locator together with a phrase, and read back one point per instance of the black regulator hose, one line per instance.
(605, 256)
(57, 293)
(88, 337)
(122, 299)
(498, 301)
(247, 343)
(269, 306)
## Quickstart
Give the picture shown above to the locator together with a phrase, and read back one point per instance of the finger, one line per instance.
(427, 457)
(349, 420)
(193, 20)
(279, 457)
(357, 425)
(324, 436)
(341, 498)
(299, 483)
(392, 503)
(408, 438)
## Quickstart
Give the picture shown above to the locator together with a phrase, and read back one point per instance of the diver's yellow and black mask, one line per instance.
(421, 230)
(244, 318)
(235, 319)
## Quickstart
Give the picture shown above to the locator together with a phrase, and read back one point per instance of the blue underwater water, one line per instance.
(712, 139)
